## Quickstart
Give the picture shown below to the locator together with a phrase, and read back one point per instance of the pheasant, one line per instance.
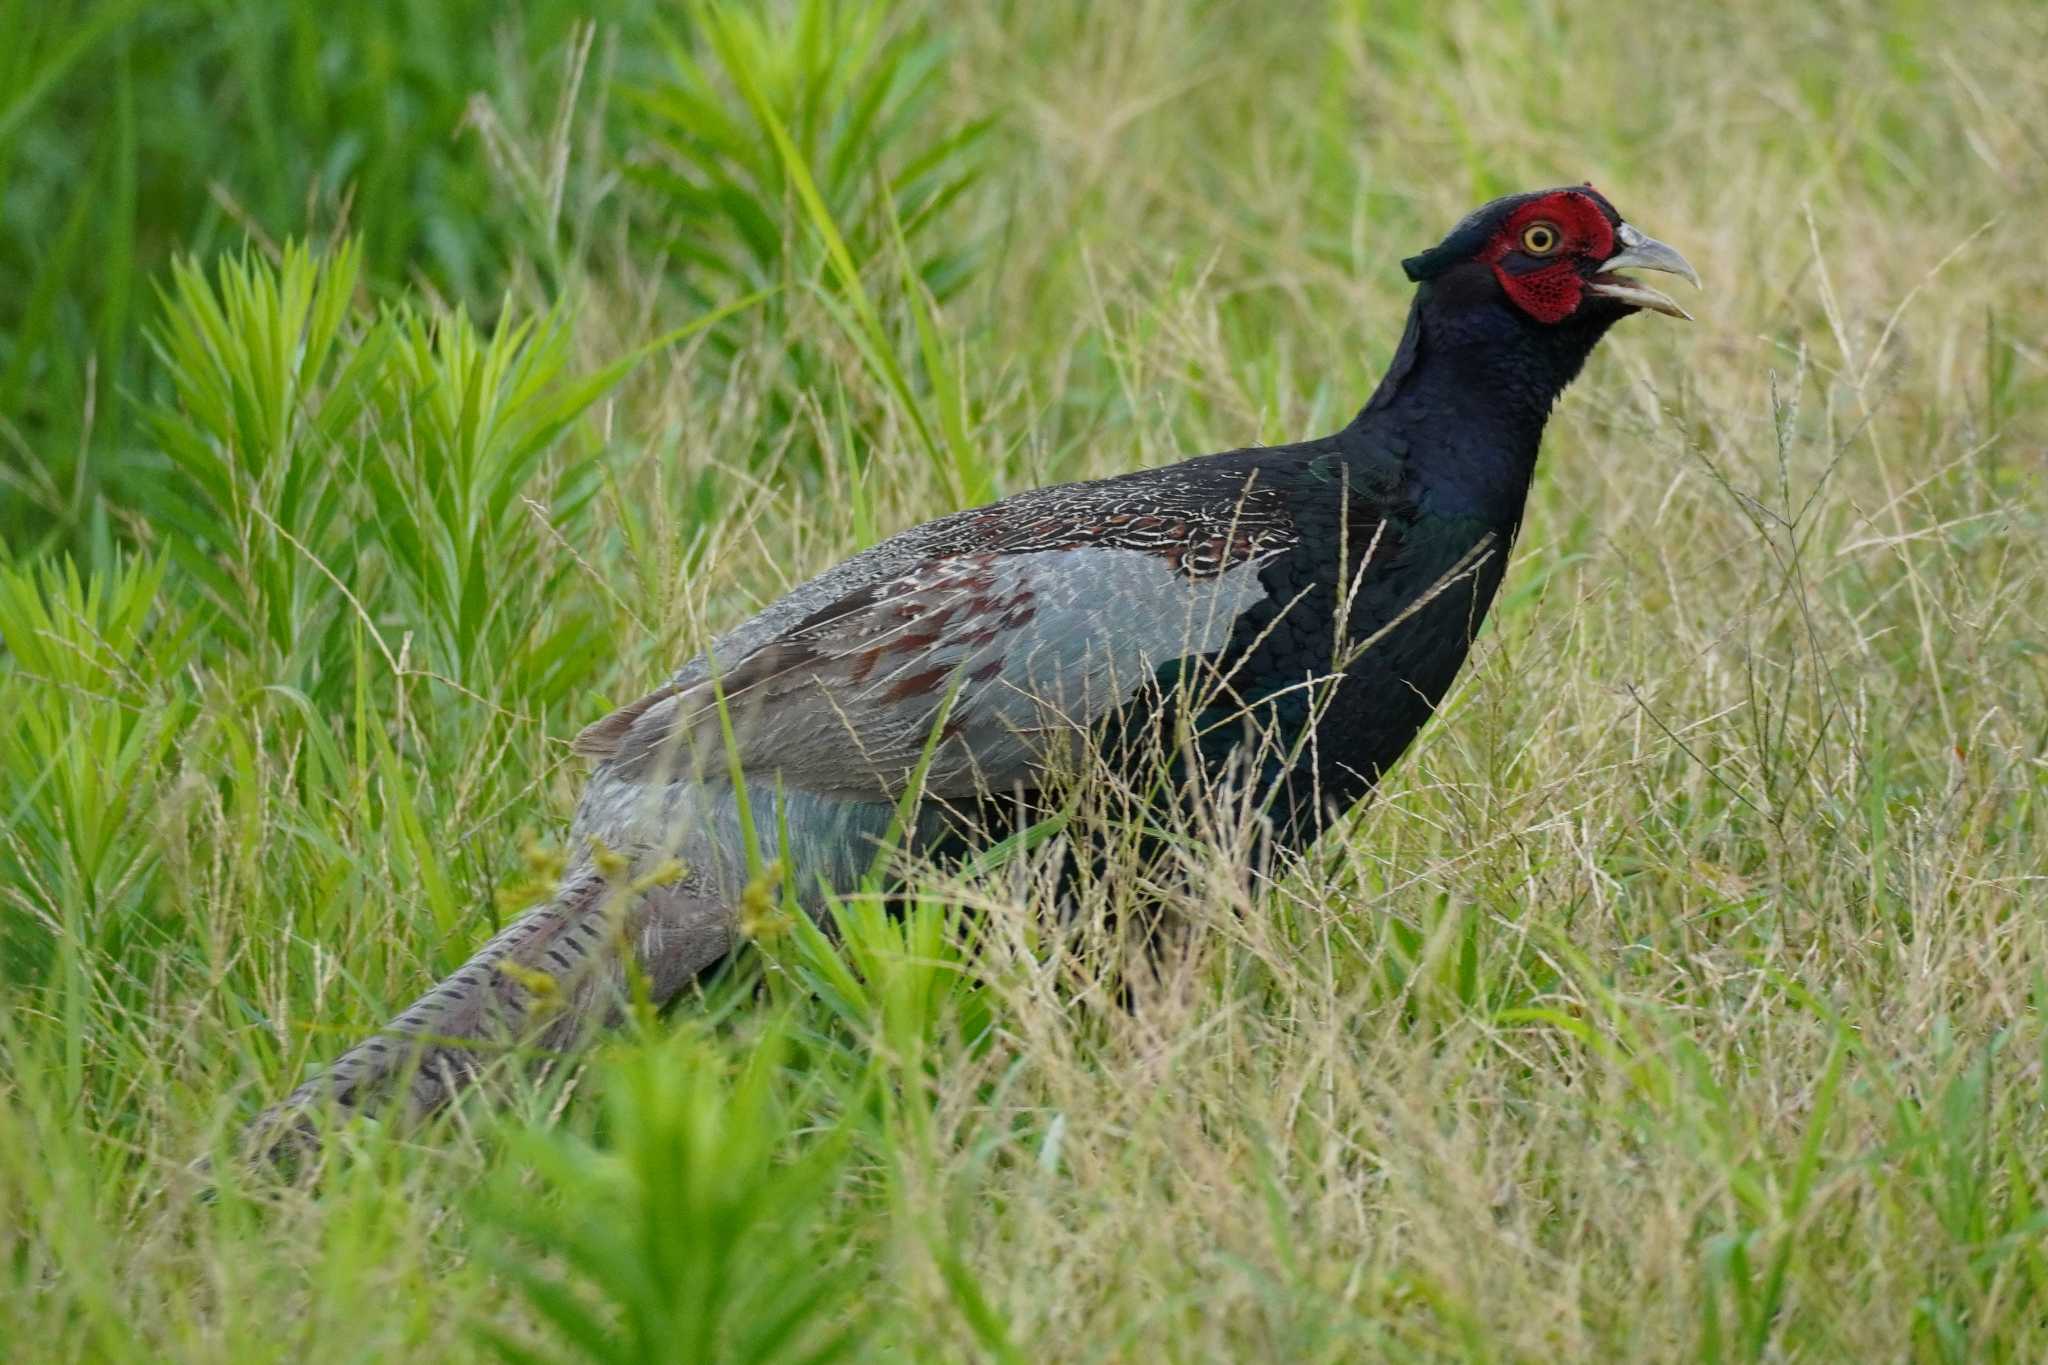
(1294, 613)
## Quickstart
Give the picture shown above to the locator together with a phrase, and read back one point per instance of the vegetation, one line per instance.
(385, 389)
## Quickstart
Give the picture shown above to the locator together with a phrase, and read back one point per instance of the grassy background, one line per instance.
(1679, 999)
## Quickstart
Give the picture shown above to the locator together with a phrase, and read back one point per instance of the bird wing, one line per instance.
(1006, 654)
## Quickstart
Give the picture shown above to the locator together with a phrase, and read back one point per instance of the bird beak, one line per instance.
(1641, 252)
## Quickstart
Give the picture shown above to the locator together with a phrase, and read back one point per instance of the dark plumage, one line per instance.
(1304, 606)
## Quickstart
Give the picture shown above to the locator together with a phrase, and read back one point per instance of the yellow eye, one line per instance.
(1540, 239)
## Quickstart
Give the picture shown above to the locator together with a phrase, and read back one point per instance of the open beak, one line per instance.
(1640, 252)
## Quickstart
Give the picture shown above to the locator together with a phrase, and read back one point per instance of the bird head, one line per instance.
(1556, 256)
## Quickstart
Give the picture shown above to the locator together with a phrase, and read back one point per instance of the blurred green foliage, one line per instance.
(132, 132)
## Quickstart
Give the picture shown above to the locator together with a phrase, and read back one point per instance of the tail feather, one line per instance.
(545, 982)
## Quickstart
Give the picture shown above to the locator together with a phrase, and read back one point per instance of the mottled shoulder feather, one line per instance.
(980, 666)
(1200, 516)
(1043, 590)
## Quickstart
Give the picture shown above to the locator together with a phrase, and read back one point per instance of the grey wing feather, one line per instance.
(1019, 651)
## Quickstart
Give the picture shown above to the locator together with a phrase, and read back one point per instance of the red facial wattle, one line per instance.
(1551, 292)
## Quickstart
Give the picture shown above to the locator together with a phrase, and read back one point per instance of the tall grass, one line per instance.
(1678, 998)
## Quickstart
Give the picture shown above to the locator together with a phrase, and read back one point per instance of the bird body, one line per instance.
(1281, 620)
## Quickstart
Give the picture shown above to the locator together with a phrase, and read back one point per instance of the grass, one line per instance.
(384, 395)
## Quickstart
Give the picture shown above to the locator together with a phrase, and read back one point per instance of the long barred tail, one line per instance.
(545, 982)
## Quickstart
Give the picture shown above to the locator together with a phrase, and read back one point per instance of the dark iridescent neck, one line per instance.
(1467, 396)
